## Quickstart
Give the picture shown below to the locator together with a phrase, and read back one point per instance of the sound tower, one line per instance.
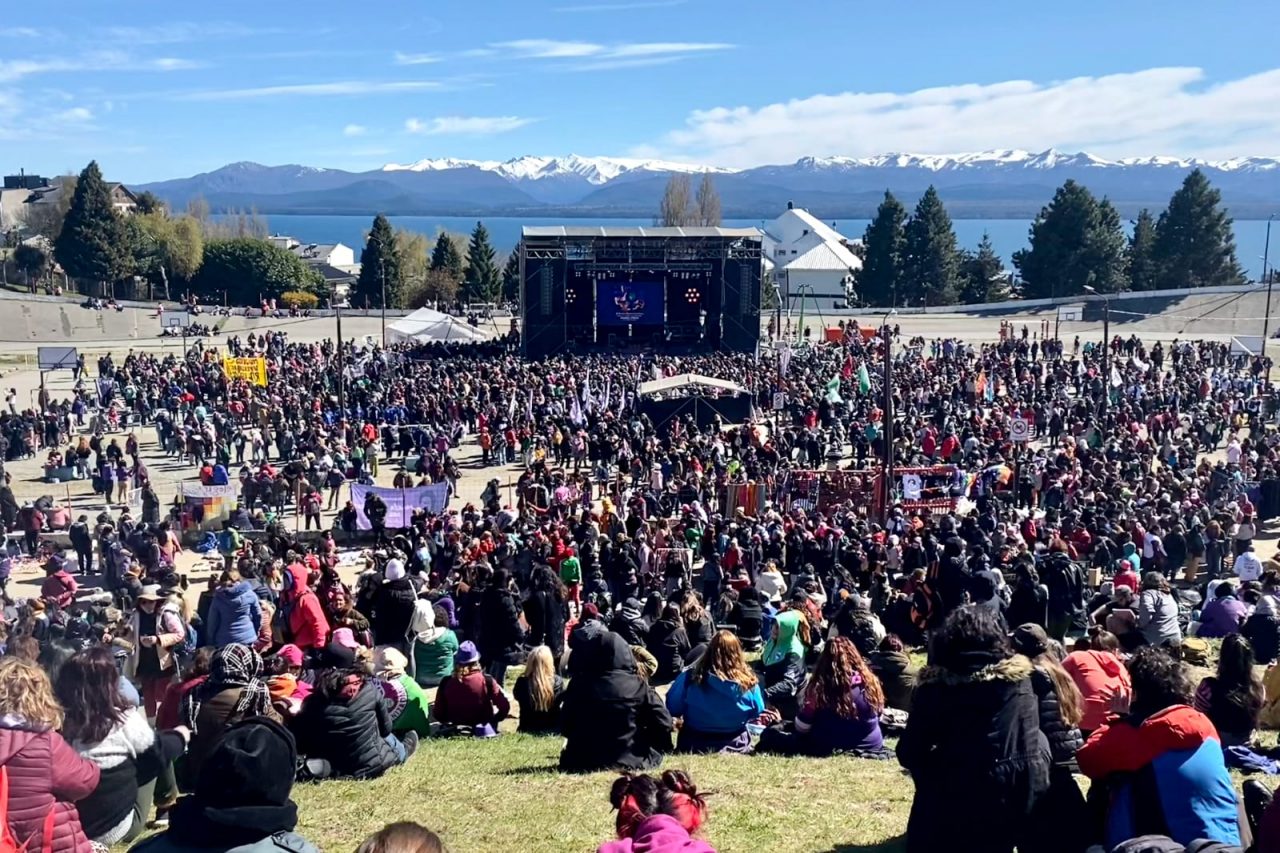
(543, 304)
(740, 316)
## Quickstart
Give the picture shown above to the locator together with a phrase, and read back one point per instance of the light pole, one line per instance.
(888, 415)
(342, 401)
(1266, 319)
(1106, 345)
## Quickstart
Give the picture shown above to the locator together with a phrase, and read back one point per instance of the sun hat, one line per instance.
(150, 592)
(467, 653)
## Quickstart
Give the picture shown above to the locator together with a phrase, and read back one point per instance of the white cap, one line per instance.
(395, 570)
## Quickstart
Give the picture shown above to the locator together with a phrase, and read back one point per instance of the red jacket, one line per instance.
(45, 773)
(308, 627)
(1119, 747)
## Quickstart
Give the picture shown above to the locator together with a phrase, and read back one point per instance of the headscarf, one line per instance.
(788, 640)
(422, 624)
(233, 666)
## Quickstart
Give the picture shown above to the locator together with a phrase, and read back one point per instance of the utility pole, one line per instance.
(1266, 320)
(342, 400)
(382, 271)
(888, 419)
(1106, 346)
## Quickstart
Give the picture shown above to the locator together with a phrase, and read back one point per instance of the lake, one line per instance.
(1007, 235)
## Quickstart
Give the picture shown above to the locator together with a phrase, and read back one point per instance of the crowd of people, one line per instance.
(677, 586)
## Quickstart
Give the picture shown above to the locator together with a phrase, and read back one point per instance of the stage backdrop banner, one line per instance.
(251, 370)
(625, 303)
(400, 502)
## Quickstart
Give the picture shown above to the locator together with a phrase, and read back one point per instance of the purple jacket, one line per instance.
(1221, 617)
(658, 834)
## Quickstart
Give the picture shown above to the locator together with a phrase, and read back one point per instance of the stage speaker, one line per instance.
(544, 332)
(740, 317)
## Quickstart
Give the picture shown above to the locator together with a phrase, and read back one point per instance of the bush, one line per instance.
(299, 299)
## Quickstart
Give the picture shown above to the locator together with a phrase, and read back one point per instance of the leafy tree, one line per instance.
(440, 287)
(511, 276)
(1140, 261)
(164, 248)
(1075, 241)
(149, 202)
(183, 248)
(677, 208)
(981, 273)
(32, 260)
(1194, 246)
(92, 243)
(380, 271)
(880, 278)
(482, 281)
(708, 201)
(445, 256)
(249, 270)
(930, 260)
(412, 248)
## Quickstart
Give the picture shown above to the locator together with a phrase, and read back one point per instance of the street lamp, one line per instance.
(888, 414)
(1266, 320)
(342, 407)
(1106, 345)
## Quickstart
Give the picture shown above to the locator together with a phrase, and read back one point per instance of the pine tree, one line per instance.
(677, 209)
(482, 280)
(708, 203)
(93, 243)
(879, 280)
(1140, 262)
(1194, 246)
(982, 277)
(445, 256)
(511, 276)
(380, 259)
(929, 256)
(1075, 241)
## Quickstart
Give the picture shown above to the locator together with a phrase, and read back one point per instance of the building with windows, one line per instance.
(810, 260)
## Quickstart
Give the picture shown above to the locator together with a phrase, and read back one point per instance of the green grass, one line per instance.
(506, 794)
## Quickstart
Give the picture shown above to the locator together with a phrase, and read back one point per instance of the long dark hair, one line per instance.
(88, 687)
(970, 636)
(834, 676)
(1237, 683)
(545, 580)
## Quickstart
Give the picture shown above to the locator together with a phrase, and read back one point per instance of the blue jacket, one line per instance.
(235, 616)
(715, 706)
(1173, 760)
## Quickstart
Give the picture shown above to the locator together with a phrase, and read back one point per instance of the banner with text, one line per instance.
(251, 370)
(400, 502)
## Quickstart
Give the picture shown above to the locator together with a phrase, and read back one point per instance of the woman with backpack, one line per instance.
(157, 631)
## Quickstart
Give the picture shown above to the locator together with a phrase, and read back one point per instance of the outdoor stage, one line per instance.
(639, 289)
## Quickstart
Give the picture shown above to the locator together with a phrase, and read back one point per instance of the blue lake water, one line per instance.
(1007, 235)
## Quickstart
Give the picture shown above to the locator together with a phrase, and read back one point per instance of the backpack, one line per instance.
(185, 649)
(9, 844)
(1195, 651)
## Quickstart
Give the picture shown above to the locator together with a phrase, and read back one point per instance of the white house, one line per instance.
(810, 260)
(333, 254)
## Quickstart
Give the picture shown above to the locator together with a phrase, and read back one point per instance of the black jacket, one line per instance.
(782, 682)
(897, 676)
(668, 643)
(348, 734)
(501, 636)
(1064, 740)
(392, 609)
(1065, 583)
(973, 746)
(611, 717)
(546, 617)
(1263, 633)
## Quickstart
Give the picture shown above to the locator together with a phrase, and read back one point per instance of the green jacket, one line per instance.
(434, 661)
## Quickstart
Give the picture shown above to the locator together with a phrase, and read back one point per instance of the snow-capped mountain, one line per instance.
(1008, 182)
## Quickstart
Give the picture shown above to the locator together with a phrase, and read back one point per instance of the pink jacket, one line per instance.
(658, 834)
(44, 772)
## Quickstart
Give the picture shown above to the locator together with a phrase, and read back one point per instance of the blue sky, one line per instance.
(160, 89)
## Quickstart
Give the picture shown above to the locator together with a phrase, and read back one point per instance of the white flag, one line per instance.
(1116, 381)
(784, 358)
(575, 411)
(604, 400)
(586, 391)
(511, 409)
(528, 410)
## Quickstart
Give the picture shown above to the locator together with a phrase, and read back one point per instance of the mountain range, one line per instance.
(990, 184)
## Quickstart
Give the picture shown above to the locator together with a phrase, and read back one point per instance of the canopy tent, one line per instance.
(426, 325)
(690, 382)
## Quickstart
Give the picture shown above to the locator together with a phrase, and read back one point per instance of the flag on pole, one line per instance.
(989, 392)
(604, 401)
(586, 391)
(833, 390)
(784, 357)
(511, 409)
(575, 411)
(528, 409)
(657, 374)
(1116, 380)
(864, 379)
(846, 369)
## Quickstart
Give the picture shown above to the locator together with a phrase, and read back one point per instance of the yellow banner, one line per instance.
(251, 370)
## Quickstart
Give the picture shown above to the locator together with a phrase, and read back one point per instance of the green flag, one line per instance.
(864, 380)
(833, 390)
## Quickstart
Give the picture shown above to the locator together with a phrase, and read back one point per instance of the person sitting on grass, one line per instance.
(716, 697)
(668, 643)
(402, 837)
(783, 661)
(539, 692)
(469, 698)
(407, 700)
(347, 723)
(241, 799)
(611, 717)
(657, 815)
(839, 711)
(1232, 699)
(434, 645)
(1158, 762)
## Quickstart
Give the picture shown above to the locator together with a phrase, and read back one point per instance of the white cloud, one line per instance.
(16, 69)
(1157, 110)
(355, 130)
(549, 48)
(19, 32)
(342, 87)
(415, 58)
(659, 48)
(465, 125)
(182, 31)
(603, 56)
(620, 7)
(74, 115)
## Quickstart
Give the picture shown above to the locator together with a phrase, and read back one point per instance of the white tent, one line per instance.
(686, 381)
(427, 325)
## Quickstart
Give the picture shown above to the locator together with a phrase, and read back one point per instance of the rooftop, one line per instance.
(635, 231)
